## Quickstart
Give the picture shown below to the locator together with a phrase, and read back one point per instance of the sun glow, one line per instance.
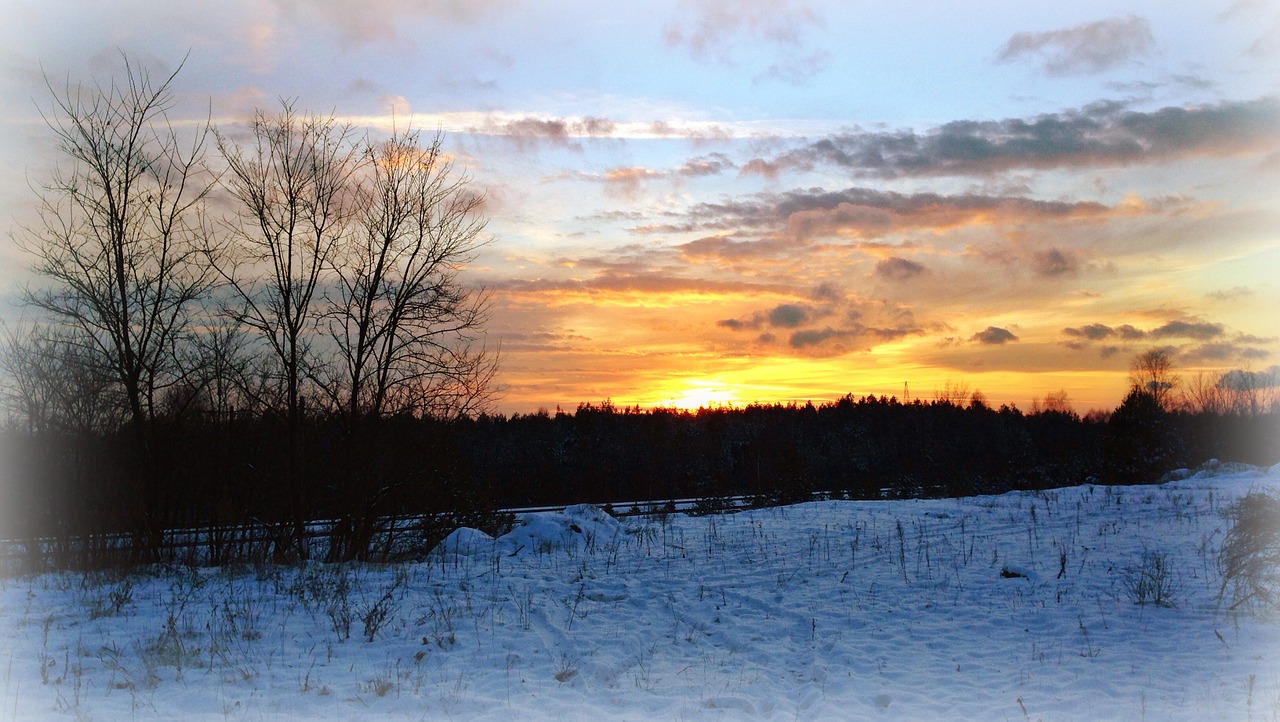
(702, 394)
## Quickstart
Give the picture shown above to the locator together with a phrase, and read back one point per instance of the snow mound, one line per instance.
(575, 529)
(464, 542)
(1213, 469)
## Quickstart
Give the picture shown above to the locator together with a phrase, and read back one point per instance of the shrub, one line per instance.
(1250, 556)
(1152, 581)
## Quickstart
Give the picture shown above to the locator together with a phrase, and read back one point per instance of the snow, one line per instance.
(824, 610)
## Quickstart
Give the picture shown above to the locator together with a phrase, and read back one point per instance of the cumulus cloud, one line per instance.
(1083, 49)
(898, 269)
(993, 336)
(1098, 135)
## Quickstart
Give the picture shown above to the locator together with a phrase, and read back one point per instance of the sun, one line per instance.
(702, 394)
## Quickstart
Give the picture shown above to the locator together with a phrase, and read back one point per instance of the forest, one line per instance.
(229, 475)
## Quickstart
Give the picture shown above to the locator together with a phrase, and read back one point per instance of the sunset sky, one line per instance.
(724, 202)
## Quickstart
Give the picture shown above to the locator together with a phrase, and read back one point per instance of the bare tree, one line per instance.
(403, 324)
(1058, 402)
(955, 393)
(118, 243)
(293, 183)
(1203, 393)
(52, 383)
(1151, 372)
(1249, 393)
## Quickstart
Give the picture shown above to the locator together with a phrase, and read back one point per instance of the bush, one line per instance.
(1152, 581)
(1250, 556)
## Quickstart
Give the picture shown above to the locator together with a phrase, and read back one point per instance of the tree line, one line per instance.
(228, 473)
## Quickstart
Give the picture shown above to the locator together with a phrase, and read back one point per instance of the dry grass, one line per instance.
(1250, 555)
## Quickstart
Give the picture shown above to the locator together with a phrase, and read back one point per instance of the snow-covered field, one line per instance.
(1019, 606)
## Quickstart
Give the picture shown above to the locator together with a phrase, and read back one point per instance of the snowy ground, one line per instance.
(835, 610)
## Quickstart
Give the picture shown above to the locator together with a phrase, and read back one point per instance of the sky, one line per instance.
(733, 201)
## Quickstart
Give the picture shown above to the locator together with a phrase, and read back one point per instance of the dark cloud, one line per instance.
(1099, 135)
(1130, 333)
(800, 339)
(1093, 332)
(1188, 329)
(1222, 352)
(1195, 330)
(827, 293)
(1089, 48)
(854, 337)
(788, 315)
(1055, 262)
(898, 269)
(863, 324)
(992, 335)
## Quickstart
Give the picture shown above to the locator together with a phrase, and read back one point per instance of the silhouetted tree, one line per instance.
(403, 324)
(1152, 373)
(292, 183)
(1141, 441)
(119, 242)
